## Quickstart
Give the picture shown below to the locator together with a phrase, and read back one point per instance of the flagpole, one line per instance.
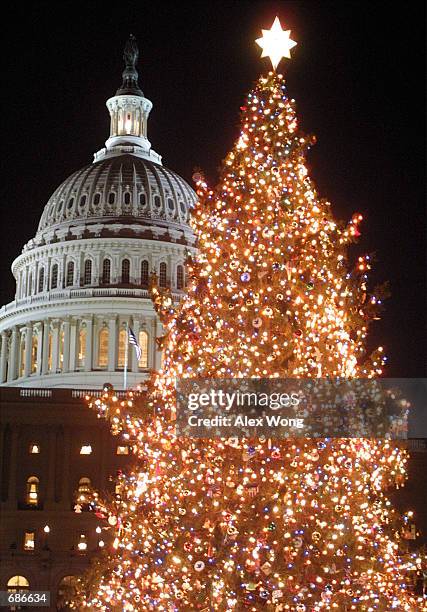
(125, 370)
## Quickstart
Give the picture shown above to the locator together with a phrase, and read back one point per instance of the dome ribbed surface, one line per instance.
(125, 189)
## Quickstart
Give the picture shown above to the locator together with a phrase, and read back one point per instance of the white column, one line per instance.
(28, 349)
(112, 344)
(55, 345)
(45, 347)
(13, 356)
(3, 356)
(38, 328)
(66, 347)
(73, 345)
(89, 344)
(133, 359)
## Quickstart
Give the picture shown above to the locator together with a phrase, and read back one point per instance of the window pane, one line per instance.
(41, 280)
(54, 277)
(144, 274)
(122, 348)
(163, 275)
(122, 450)
(143, 343)
(103, 348)
(61, 348)
(106, 271)
(29, 540)
(87, 279)
(70, 274)
(180, 277)
(22, 356)
(82, 348)
(50, 351)
(33, 491)
(18, 582)
(82, 545)
(125, 271)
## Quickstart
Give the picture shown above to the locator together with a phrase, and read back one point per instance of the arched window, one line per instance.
(106, 272)
(70, 204)
(54, 277)
(84, 490)
(143, 343)
(70, 274)
(144, 274)
(163, 275)
(126, 197)
(171, 205)
(87, 278)
(103, 348)
(82, 348)
(34, 352)
(157, 201)
(83, 201)
(66, 588)
(111, 197)
(142, 199)
(17, 583)
(96, 199)
(122, 348)
(33, 491)
(41, 280)
(180, 277)
(126, 271)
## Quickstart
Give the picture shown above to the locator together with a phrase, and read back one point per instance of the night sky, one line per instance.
(356, 74)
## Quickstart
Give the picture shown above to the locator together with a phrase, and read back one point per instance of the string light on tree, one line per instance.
(230, 525)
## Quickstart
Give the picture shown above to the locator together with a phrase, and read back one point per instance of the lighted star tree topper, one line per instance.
(276, 43)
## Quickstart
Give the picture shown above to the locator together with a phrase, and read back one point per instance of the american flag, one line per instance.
(134, 342)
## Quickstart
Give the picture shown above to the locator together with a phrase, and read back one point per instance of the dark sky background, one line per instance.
(357, 75)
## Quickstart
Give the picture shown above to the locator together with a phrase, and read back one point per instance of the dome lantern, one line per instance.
(129, 111)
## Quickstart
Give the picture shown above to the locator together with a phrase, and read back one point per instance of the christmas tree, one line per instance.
(217, 524)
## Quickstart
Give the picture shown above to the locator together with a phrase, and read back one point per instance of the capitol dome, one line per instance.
(82, 281)
(125, 194)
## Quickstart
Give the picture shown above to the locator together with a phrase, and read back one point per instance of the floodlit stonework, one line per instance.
(84, 277)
